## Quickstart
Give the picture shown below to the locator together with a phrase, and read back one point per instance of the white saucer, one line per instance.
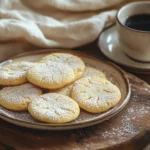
(109, 45)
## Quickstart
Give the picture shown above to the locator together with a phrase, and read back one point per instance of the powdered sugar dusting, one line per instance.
(121, 133)
(14, 73)
(134, 115)
(92, 72)
(141, 110)
(64, 91)
(73, 61)
(51, 76)
(95, 94)
(125, 129)
(54, 108)
(18, 96)
(15, 70)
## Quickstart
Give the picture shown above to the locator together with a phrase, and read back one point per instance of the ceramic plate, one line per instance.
(113, 73)
(110, 47)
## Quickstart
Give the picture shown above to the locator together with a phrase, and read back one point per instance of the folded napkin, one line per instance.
(147, 147)
(28, 25)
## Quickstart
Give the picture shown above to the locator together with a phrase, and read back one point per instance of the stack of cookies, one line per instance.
(69, 86)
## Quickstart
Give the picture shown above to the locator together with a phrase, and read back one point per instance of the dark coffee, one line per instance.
(139, 22)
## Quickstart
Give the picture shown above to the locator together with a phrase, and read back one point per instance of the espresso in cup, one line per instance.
(133, 26)
(139, 22)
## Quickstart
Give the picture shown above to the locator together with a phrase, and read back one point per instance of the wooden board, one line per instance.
(123, 130)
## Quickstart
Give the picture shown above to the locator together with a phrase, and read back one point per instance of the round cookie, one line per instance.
(73, 61)
(92, 72)
(54, 108)
(14, 73)
(51, 75)
(95, 94)
(64, 91)
(17, 98)
(89, 72)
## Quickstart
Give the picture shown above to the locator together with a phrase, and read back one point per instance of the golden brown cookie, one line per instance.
(93, 72)
(73, 61)
(51, 75)
(95, 94)
(54, 108)
(17, 98)
(64, 91)
(14, 73)
(89, 72)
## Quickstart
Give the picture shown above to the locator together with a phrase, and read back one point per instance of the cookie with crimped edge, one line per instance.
(54, 108)
(14, 73)
(17, 98)
(96, 94)
(89, 72)
(73, 61)
(51, 75)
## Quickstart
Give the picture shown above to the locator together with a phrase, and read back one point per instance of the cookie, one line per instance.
(95, 95)
(73, 61)
(51, 76)
(89, 72)
(54, 108)
(17, 98)
(14, 73)
(64, 91)
(92, 72)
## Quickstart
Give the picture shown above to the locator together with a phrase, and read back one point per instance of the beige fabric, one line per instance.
(33, 24)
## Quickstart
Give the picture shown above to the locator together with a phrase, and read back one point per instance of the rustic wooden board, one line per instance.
(127, 128)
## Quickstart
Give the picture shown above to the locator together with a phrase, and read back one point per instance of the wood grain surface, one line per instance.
(129, 130)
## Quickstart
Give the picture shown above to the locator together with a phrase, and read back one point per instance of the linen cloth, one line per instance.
(36, 24)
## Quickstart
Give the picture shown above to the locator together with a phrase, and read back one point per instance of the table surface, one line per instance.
(9, 131)
(93, 49)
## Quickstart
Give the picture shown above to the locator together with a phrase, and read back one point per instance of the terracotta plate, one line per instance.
(85, 119)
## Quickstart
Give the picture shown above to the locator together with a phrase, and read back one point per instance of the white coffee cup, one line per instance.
(135, 43)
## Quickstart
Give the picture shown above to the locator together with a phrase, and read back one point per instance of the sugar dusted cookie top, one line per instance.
(14, 73)
(89, 72)
(64, 91)
(93, 72)
(54, 108)
(95, 94)
(73, 61)
(17, 98)
(51, 75)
